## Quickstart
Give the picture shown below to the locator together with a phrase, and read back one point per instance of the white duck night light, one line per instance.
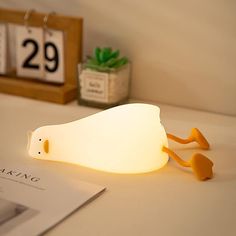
(125, 139)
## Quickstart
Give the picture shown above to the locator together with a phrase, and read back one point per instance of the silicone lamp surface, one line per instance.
(124, 139)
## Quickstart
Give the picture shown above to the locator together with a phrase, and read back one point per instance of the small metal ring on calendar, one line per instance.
(45, 22)
(26, 18)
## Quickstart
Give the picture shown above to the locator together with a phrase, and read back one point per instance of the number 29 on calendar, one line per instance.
(40, 54)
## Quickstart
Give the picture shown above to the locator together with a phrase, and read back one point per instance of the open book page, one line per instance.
(33, 200)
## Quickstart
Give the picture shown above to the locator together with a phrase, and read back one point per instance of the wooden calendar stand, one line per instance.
(72, 28)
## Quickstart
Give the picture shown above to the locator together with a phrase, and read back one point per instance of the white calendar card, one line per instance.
(54, 56)
(40, 54)
(30, 52)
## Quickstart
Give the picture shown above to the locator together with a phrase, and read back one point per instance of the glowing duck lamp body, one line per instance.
(124, 139)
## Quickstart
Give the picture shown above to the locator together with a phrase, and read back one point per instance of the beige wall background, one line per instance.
(183, 52)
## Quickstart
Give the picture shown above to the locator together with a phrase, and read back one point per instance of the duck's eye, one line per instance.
(39, 152)
(40, 139)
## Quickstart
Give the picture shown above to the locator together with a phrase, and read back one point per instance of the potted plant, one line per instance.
(104, 79)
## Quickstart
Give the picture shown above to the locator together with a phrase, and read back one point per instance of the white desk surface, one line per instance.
(166, 202)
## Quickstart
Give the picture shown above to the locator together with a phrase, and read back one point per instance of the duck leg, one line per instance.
(200, 164)
(195, 136)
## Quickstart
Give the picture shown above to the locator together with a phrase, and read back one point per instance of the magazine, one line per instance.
(33, 200)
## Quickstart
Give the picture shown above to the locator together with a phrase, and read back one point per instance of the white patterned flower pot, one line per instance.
(104, 89)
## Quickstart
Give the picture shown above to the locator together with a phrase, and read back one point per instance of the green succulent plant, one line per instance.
(105, 59)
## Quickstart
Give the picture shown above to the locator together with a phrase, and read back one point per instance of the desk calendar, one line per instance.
(47, 50)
